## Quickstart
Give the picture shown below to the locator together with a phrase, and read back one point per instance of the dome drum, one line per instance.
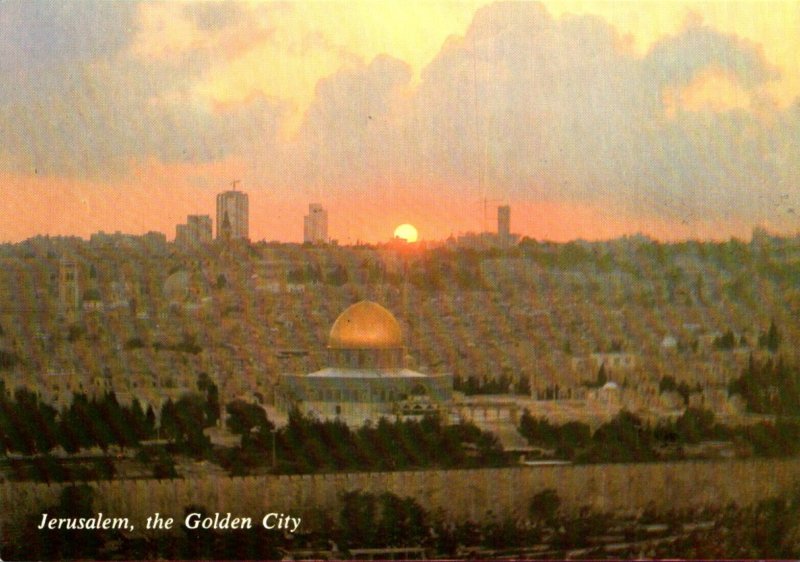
(366, 358)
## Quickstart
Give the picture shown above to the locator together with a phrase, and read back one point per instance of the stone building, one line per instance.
(365, 379)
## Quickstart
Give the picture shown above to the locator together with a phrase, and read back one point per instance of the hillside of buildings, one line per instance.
(542, 319)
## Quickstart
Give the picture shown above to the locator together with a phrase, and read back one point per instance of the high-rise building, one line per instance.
(232, 215)
(181, 235)
(199, 229)
(196, 231)
(504, 225)
(315, 225)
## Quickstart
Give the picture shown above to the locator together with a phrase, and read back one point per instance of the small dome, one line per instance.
(176, 287)
(365, 325)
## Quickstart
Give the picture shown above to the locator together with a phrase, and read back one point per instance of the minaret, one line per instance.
(68, 289)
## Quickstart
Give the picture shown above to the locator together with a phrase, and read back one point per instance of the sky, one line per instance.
(590, 119)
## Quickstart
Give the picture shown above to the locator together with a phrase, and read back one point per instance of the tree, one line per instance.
(402, 521)
(625, 438)
(602, 378)
(209, 389)
(694, 425)
(29, 425)
(168, 427)
(772, 339)
(8, 359)
(358, 517)
(244, 417)
(726, 342)
(185, 421)
(544, 506)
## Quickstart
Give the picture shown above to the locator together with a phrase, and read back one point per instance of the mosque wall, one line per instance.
(457, 493)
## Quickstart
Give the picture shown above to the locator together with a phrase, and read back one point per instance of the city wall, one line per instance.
(457, 493)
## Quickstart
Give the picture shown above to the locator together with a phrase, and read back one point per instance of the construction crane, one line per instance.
(486, 201)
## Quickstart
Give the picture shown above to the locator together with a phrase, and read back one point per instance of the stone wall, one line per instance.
(457, 493)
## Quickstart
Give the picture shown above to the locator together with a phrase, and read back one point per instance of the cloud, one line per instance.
(529, 108)
(92, 117)
(539, 111)
(676, 60)
(35, 35)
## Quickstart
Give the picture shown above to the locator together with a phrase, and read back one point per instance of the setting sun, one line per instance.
(406, 232)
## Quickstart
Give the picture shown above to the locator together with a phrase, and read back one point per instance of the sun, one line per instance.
(406, 232)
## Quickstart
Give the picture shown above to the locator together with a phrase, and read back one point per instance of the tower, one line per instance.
(504, 225)
(234, 205)
(315, 225)
(68, 289)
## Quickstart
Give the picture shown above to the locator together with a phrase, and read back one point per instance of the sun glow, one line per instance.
(406, 232)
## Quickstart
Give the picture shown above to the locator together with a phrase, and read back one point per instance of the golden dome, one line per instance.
(365, 325)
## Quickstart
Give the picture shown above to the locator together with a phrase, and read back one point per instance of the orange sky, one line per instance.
(679, 120)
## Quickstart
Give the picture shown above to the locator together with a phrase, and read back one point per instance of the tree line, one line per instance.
(628, 438)
(29, 426)
(771, 386)
(307, 445)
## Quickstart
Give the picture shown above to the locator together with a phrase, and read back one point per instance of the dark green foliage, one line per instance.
(627, 439)
(164, 468)
(502, 384)
(309, 445)
(189, 344)
(92, 295)
(565, 439)
(442, 268)
(770, 340)
(207, 387)
(8, 359)
(544, 506)
(183, 422)
(311, 274)
(769, 387)
(385, 520)
(725, 342)
(134, 343)
(75, 332)
(780, 439)
(602, 378)
(102, 423)
(250, 421)
(244, 417)
(695, 425)
(624, 439)
(27, 425)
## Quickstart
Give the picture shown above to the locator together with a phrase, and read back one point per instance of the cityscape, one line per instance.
(524, 285)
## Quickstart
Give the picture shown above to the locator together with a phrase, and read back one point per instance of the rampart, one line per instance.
(456, 493)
